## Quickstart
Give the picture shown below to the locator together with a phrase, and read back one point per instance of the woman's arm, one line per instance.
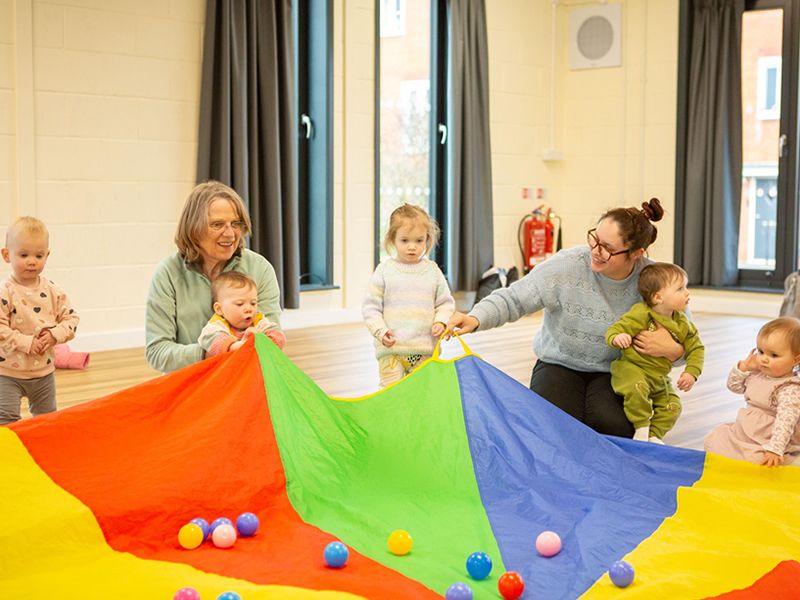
(162, 351)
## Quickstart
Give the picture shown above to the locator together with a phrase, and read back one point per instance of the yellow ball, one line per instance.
(190, 536)
(400, 542)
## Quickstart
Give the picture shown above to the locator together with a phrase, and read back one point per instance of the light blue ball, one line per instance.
(336, 555)
(229, 596)
(458, 591)
(479, 565)
(621, 574)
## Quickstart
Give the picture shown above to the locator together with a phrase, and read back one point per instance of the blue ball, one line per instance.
(458, 591)
(229, 596)
(247, 524)
(621, 574)
(479, 565)
(217, 522)
(202, 524)
(336, 555)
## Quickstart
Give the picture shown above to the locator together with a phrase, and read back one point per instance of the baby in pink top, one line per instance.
(35, 315)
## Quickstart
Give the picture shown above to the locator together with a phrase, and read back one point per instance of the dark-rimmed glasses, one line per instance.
(603, 252)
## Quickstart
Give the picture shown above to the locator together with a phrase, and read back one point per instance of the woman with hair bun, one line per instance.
(582, 291)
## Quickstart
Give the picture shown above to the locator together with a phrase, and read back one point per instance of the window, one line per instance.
(410, 99)
(768, 253)
(393, 18)
(769, 87)
(313, 57)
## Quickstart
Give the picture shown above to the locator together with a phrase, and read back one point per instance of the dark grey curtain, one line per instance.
(469, 177)
(248, 124)
(713, 183)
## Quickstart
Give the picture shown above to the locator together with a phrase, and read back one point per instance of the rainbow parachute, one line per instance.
(457, 454)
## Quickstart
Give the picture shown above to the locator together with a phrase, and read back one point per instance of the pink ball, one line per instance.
(224, 536)
(186, 593)
(548, 543)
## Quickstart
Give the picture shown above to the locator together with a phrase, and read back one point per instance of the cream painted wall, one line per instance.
(8, 159)
(613, 127)
(107, 137)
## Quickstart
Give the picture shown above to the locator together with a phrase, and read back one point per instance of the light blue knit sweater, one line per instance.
(579, 306)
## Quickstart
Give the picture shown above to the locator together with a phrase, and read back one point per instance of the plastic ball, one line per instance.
(511, 585)
(458, 591)
(247, 524)
(479, 565)
(336, 555)
(202, 524)
(217, 522)
(229, 596)
(186, 593)
(190, 536)
(224, 536)
(621, 574)
(548, 543)
(400, 542)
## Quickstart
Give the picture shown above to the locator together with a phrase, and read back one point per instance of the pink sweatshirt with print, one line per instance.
(24, 312)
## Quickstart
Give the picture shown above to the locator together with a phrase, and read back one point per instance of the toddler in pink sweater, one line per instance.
(35, 315)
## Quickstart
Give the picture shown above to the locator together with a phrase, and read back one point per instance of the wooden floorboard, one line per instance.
(340, 359)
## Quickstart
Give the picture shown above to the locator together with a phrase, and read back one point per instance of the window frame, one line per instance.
(314, 91)
(438, 205)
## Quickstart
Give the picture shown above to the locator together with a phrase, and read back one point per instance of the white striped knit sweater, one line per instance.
(408, 299)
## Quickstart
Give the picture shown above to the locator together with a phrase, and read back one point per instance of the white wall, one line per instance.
(8, 160)
(109, 123)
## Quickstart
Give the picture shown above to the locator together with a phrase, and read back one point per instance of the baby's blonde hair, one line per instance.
(230, 280)
(27, 225)
(410, 213)
(788, 326)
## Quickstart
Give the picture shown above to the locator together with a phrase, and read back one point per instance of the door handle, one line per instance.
(306, 122)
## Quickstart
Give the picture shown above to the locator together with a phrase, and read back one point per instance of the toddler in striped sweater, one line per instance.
(408, 301)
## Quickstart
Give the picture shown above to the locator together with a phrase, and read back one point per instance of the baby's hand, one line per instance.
(750, 363)
(686, 381)
(438, 329)
(388, 339)
(238, 344)
(772, 460)
(622, 340)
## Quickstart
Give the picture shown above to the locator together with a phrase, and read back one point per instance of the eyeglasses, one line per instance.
(220, 225)
(603, 251)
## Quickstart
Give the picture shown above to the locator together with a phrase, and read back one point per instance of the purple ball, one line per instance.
(202, 524)
(458, 591)
(186, 593)
(217, 522)
(621, 574)
(247, 524)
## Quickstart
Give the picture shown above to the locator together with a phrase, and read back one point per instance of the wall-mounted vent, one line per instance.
(594, 37)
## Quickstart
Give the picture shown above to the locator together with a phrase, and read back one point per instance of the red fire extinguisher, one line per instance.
(538, 236)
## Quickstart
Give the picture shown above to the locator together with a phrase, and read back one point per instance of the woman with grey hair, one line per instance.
(210, 241)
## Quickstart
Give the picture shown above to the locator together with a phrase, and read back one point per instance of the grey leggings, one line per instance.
(40, 392)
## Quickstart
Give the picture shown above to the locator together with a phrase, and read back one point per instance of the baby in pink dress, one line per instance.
(766, 430)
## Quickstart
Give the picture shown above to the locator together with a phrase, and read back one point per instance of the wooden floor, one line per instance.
(340, 359)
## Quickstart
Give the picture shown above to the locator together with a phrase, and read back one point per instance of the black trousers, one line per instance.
(588, 397)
